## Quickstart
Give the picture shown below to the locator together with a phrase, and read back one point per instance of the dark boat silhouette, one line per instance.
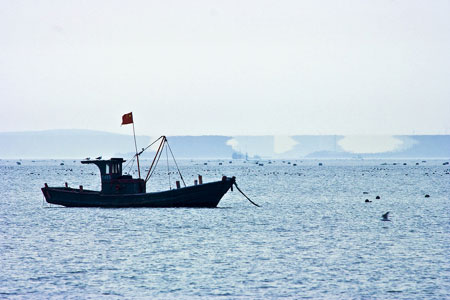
(124, 191)
(120, 190)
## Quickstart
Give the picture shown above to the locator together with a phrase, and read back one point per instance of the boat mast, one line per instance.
(137, 155)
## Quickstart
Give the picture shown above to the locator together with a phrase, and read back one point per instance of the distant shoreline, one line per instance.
(76, 144)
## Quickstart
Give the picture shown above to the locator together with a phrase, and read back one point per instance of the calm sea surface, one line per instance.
(313, 237)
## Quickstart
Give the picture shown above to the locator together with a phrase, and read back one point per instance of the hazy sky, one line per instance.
(226, 67)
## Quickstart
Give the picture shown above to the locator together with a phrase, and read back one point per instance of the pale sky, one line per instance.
(226, 67)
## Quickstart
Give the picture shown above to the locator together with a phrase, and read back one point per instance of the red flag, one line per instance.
(127, 118)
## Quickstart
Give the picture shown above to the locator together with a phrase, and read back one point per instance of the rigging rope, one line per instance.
(132, 159)
(181, 176)
(156, 159)
(168, 170)
(154, 168)
(143, 149)
(132, 164)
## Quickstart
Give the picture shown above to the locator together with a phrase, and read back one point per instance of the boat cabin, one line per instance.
(113, 182)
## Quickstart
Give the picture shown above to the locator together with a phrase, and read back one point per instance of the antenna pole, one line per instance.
(137, 155)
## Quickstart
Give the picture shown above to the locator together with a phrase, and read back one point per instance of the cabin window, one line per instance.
(115, 168)
(107, 169)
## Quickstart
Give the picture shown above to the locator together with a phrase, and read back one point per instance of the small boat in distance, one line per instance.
(119, 190)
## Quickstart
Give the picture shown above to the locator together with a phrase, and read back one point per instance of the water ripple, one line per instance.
(313, 237)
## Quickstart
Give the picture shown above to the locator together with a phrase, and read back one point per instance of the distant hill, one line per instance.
(65, 144)
(206, 146)
(87, 143)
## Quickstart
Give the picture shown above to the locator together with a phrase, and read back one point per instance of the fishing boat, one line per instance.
(122, 190)
(118, 190)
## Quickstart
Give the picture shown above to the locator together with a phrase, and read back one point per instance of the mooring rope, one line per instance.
(235, 184)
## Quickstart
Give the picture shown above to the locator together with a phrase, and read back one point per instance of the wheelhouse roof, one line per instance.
(96, 161)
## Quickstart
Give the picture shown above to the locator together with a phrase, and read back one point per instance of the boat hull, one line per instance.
(204, 195)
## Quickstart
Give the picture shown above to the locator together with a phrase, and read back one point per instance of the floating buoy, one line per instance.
(367, 201)
(320, 164)
(365, 193)
(427, 196)
(377, 197)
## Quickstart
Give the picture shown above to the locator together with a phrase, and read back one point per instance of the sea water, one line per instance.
(314, 235)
